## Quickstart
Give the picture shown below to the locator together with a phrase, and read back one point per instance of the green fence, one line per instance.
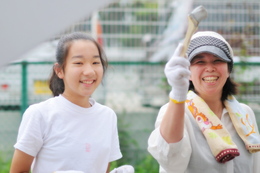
(24, 83)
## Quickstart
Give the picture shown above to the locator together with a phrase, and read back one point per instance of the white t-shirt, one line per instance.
(193, 155)
(64, 136)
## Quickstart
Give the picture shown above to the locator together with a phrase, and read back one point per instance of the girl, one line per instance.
(205, 130)
(70, 131)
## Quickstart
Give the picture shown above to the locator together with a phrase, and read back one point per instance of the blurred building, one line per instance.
(148, 30)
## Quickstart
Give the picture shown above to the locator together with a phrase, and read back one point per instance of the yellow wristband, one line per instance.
(177, 102)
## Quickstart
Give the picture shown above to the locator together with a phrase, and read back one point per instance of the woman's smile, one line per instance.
(210, 79)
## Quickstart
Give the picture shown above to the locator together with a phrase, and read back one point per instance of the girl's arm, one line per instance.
(21, 162)
(108, 168)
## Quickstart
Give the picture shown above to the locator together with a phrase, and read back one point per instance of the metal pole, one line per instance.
(24, 96)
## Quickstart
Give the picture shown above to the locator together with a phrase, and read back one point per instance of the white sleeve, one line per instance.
(29, 138)
(172, 157)
(256, 162)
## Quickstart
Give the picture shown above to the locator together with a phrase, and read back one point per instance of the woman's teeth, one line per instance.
(210, 79)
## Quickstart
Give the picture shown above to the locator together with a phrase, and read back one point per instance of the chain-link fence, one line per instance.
(135, 90)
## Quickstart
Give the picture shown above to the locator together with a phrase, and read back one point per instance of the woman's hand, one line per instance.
(178, 74)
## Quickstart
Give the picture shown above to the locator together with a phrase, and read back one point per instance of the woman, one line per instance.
(206, 129)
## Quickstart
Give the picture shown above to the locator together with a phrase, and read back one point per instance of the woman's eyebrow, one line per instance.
(198, 57)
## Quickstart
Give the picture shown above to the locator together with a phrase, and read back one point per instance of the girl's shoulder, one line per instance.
(49, 102)
(43, 106)
(98, 105)
(100, 108)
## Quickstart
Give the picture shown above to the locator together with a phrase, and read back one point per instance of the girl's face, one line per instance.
(83, 71)
(208, 74)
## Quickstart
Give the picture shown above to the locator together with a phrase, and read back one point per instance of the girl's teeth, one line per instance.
(87, 82)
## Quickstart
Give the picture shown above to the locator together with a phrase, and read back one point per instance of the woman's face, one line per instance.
(208, 74)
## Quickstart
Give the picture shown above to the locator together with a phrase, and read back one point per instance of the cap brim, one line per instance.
(209, 49)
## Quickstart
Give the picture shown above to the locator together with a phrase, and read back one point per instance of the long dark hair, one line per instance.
(55, 83)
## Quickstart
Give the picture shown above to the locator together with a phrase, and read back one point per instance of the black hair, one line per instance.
(56, 84)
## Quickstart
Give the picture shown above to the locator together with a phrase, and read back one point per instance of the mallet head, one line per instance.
(198, 14)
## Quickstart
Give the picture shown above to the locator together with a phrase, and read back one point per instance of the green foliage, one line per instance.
(113, 165)
(141, 160)
(143, 165)
(4, 164)
(126, 142)
(148, 164)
